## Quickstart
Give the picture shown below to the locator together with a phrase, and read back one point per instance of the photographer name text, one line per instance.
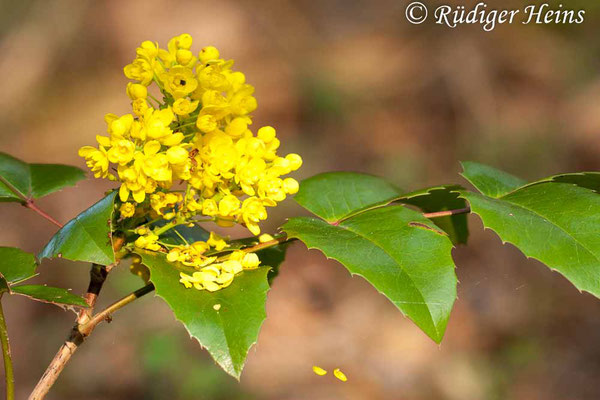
(489, 19)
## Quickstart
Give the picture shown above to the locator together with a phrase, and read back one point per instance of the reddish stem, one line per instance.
(31, 205)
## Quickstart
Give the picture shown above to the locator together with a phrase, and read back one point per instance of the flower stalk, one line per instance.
(9, 377)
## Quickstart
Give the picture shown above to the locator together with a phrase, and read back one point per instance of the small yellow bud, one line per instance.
(184, 41)
(207, 54)
(265, 237)
(295, 161)
(266, 134)
(127, 210)
(250, 261)
(318, 370)
(184, 56)
(290, 186)
(173, 255)
(177, 155)
(237, 127)
(136, 91)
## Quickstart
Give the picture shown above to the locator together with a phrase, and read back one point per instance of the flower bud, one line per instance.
(207, 54)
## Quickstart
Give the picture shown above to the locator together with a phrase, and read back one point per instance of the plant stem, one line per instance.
(105, 315)
(32, 206)
(76, 338)
(28, 202)
(447, 213)
(9, 376)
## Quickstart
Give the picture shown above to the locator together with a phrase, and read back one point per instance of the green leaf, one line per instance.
(20, 181)
(555, 223)
(490, 181)
(190, 234)
(588, 180)
(48, 294)
(334, 196)
(3, 286)
(16, 265)
(272, 257)
(397, 250)
(442, 198)
(87, 237)
(227, 333)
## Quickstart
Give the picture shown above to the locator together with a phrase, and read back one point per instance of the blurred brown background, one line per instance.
(349, 85)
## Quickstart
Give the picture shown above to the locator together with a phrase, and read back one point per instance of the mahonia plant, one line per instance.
(191, 157)
(185, 159)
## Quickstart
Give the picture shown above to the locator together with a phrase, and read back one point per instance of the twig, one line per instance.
(447, 213)
(98, 274)
(32, 206)
(9, 376)
(76, 338)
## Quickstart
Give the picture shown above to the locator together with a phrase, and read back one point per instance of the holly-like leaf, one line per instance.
(398, 251)
(48, 294)
(442, 198)
(272, 257)
(334, 196)
(20, 181)
(87, 237)
(16, 265)
(490, 181)
(225, 322)
(556, 223)
(190, 233)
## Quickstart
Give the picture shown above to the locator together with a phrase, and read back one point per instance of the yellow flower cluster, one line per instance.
(220, 275)
(191, 153)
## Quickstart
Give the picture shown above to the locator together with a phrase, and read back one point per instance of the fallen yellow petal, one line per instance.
(340, 375)
(319, 371)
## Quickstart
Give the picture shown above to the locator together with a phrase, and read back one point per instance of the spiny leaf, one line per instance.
(225, 322)
(334, 196)
(87, 237)
(442, 198)
(16, 265)
(20, 181)
(555, 223)
(490, 181)
(398, 251)
(48, 294)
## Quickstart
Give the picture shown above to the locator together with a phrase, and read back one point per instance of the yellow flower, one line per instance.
(148, 242)
(250, 261)
(206, 123)
(216, 241)
(238, 126)
(156, 123)
(139, 70)
(340, 375)
(184, 106)
(127, 210)
(229, 205)
(318, 370)
(122, 152)
(96, 160)
(136, 91)
(177, 155)
(179, 81)
(252, 212)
